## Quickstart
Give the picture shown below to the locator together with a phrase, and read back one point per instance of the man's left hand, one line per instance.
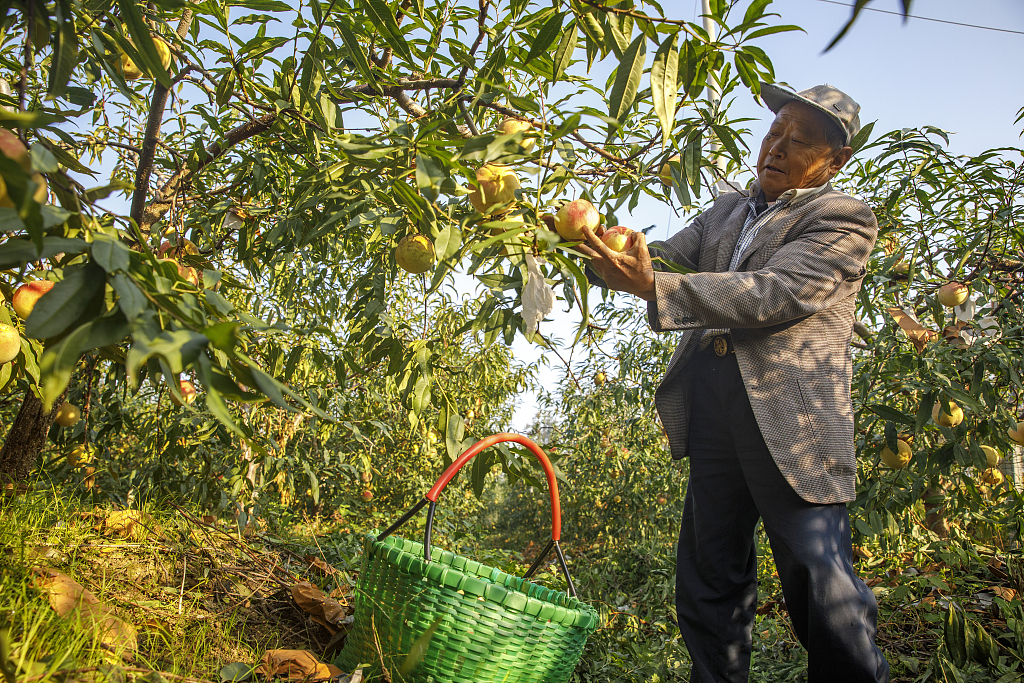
(629, 271)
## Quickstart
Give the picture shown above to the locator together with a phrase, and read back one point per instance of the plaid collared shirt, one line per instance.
(759, 211)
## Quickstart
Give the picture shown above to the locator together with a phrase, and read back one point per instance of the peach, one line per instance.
(26, 296)
(953, 294)
(10, 343)
(618, 238)
(573, 216)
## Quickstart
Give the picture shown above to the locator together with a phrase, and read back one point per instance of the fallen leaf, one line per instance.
(1005, 593)
(126, 524)
(317, 563)
(296, 665)
(858, 551)
(325, 611)
(69, 598)
(915, 331)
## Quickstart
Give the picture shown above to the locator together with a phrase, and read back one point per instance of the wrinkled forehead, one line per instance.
(802, 118)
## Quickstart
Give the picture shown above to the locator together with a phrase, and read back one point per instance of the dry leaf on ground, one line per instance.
(68, 597)
(296, 665)
(1005, 593)
(325, 611)
(125, 523)
(317, 563)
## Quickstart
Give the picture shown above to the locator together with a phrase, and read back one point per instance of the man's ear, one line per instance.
(840, 158)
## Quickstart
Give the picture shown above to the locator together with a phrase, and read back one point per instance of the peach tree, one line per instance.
(230, 218)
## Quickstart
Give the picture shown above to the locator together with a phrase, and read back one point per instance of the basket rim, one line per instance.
(473, 578)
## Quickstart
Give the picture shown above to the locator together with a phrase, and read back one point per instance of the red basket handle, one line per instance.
(556, 511)
(435, 491)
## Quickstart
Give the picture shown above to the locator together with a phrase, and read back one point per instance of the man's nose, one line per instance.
(778, 147)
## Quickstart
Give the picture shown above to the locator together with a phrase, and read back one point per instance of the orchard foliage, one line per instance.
(288, 149)
(942, 218)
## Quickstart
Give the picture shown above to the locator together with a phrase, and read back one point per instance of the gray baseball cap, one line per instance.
(839, 106)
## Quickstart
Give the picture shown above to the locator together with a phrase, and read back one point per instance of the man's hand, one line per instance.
(629, 271)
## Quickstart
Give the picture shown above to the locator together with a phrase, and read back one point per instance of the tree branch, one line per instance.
(156, 114)
(643, 17)
(482, 21)
(156, 209)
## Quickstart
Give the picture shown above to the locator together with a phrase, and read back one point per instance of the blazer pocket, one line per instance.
(835, 453)
(858, 276)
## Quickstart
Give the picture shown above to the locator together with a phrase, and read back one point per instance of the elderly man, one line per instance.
(757, 393)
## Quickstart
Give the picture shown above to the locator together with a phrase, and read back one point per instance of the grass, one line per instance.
(201, 596)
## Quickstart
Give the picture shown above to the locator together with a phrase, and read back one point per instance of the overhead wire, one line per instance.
(914, 16)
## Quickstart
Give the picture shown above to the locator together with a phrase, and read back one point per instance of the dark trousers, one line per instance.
(733, 482)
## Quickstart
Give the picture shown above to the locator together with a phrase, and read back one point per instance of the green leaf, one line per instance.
(421, 393)
(5, 655)
(887, 413)
(225, 89)
(65, 51)
(503, 237)
(545, 37)
(481, 468)
(214, 402)
(130, 298)
(419, 648)
(584, 287)
(691, 163)
(28, 119)
(383, 18)
(224, 335)
(355, 50)
(862, 136)
(62, 306)
(112, 254)
(955, 636)
(664, 84)
(860, 4)
(891, 437)
(236, 672)
(429, 176)
(454, 433)
(262, 5)
(275, 390)
(755, 11)
(672, 266)
(448, 242)
(728, 139)
(563, 55)
(767, 31)
(138, 29)
(16, 253)
(59, 361)
(627, 79)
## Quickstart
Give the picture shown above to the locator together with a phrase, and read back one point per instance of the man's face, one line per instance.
(795, 153)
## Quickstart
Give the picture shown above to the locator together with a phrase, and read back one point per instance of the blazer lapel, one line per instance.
(778, 221)
(764, 234)
(730, 236)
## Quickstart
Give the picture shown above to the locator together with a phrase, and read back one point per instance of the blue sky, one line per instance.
(903, 74)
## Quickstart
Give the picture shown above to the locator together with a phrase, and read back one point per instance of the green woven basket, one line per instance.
(488, 626)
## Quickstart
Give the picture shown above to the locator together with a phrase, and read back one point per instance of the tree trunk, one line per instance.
(26, 438)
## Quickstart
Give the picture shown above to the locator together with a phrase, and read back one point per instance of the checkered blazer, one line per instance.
(790, 308)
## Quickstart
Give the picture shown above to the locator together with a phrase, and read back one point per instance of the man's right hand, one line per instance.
(629, 271)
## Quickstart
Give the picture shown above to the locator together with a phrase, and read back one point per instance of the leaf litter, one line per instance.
(159, 585)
